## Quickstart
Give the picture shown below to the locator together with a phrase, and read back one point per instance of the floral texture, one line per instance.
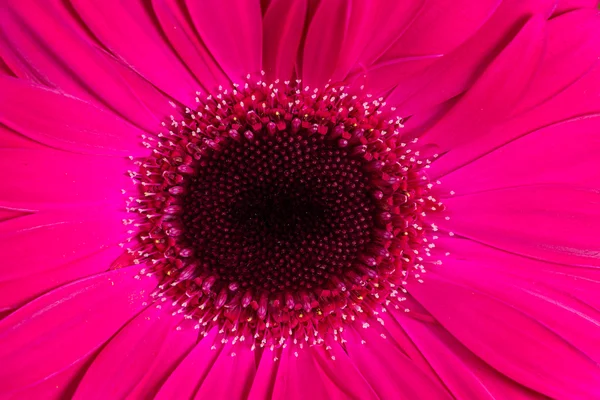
(280, 199)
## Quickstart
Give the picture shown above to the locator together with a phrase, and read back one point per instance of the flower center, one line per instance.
(278, 214)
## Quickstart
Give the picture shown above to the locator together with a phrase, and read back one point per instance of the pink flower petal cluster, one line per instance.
(480, 281)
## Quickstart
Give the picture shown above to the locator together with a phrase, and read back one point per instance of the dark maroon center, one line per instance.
(281, 212)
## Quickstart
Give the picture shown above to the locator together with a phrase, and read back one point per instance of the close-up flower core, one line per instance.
(277, 211)
(299, 199)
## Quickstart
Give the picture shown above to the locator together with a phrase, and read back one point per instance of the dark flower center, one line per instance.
(278, 214)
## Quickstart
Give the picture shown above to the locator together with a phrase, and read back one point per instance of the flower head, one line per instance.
(291, 199)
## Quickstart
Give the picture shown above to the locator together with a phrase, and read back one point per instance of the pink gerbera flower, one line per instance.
(300, 199)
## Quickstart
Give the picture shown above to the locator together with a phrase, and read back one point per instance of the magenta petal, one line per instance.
(4, 69)
(572, 107)
(300, 378)
(465, 375)
(468, 118)
(235, 364)
(535, 221)
(312, 374)
(187, 377)
(384, 76)
(561, 153)
(74, 179)
(580, 283)
(59, 386)
(45, 44)
(39, 278)
(176, 345)
(232, 32)
(7, 214)
(555, 308)
(435, 29)
(181, 34)
(64, 122)
(578, 99)
(282, 31)
(324, 40)
(374, 26)
(509, 340)
(342, 374)
(9, 139)
(56, 330)
(567, 57)
(456, 71)
(123, 362)
(266, 376)
(567, 5)
(145, 50)
(59, 237)
(374, 357)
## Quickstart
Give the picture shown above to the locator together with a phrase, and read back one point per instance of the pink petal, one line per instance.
(282, 29)
(65, 122)
(58, 237)
(456, 71)
(4, 69)
(574, 321)
(299, 378)
(181, 34)
(579, 282)
(57, 387)
(508, 339)
(374, 26)
(324, 41)
(468, 118)
(73, 179)
(9, 139)
(187, 377)
(556, 223)
(15, 64)
(464, 374)
(345, 379)
(567, 5)
(6, 214)
(235, 364)
(561, 153)
(145, 50)
(567, 58)
(578, 101)
(37, 279)
(382, 77)
(46, 44)
(435, 30)
(232, 32)
(123, 362)
(266, 375)
(390, 373)
(176, 345)
(312, 374)
(56, 330)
